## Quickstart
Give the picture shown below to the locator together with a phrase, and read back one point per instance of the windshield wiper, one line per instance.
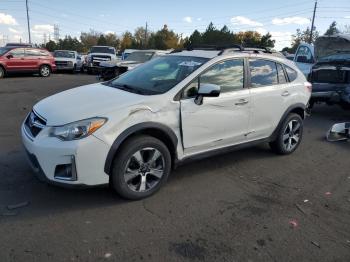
(129, 88)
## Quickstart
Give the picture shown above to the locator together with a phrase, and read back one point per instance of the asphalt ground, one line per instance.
(249, 205)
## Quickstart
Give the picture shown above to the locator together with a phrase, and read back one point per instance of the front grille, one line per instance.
(61, 63)
(34, 124)
(330, 76)
(100, 58)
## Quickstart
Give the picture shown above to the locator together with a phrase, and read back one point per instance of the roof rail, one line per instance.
(224, 49)
(215, 47)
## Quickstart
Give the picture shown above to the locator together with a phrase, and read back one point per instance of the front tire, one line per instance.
(141, 167)
(289, 135)
(45, 71)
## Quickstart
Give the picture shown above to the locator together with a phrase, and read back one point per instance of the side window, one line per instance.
(304, 55)
(43, 53)
(32, 52)
(281, 75)
(18, 52)
(262, 73)
(229, 75)
(292, 74)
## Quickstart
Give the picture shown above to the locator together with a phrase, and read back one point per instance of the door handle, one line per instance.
(285, 93)
(241, 102)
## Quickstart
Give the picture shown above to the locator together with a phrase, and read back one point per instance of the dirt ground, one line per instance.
(248, 205)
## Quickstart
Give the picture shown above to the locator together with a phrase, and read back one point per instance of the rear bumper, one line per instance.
(334, 93)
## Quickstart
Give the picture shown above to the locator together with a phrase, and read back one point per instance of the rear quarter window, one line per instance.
(292, 74)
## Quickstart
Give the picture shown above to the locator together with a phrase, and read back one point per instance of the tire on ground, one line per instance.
(128, 148)
(278, 144)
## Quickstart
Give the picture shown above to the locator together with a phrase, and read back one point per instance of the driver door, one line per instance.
(219, 121)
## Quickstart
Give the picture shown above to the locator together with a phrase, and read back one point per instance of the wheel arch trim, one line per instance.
(133, 130)
(297, 106)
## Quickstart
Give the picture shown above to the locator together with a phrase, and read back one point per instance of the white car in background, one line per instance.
(131, 131)
(67, 60)
(109, 70)
(98, 54)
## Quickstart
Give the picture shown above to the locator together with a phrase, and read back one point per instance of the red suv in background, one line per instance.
(26, 59)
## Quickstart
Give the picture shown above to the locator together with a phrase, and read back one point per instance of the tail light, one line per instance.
(308, 85)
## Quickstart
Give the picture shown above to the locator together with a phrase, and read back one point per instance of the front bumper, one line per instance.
(62, 67)
(47, 155)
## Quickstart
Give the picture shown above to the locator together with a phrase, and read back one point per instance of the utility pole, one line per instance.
(145, 44)
(313, 23)
(30, 39)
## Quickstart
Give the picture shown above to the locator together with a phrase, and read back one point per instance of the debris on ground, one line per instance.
(306, 200)
(293, 223)
(300, 209)
(328, 193)
(108, 255)
(19, 205)
(316, 244)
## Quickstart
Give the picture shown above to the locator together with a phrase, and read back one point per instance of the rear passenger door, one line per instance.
(271, 96)
(32, 58)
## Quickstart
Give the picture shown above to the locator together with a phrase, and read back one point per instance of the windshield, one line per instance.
(65, 54)
(102, 49)
(4, 50)
(339, 56)
(158, 75)
(140, 57)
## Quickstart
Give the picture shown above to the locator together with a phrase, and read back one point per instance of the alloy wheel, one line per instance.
(144, 169)
(291, 135)
(45, 71)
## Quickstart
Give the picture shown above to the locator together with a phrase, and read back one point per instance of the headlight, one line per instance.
(77, 130)
(70, 63)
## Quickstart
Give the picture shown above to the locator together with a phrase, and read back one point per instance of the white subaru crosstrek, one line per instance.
(131, 131)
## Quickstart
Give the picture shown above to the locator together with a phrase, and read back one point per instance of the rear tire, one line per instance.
(289, 135)
(141, 167)
(2, 72)
(45, 71)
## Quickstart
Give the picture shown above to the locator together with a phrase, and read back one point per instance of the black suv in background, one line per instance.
(330, 76)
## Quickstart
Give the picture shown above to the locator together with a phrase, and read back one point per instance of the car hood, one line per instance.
(84, 102)
(329, 45)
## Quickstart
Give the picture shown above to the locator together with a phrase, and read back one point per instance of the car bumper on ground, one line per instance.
(66, 163)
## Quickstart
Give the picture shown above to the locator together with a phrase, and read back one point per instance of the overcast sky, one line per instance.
(280, 18)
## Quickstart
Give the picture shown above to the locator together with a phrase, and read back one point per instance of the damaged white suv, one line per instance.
(131, 131)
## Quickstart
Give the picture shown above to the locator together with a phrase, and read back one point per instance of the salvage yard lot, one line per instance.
(248, 205)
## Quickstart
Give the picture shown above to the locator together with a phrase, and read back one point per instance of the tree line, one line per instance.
(166, 38)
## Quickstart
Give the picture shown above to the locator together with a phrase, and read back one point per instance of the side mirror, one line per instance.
(9, 56)
(207, 90)
(339, 132)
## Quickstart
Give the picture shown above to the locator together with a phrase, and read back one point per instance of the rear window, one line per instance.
(292, 74)
(263, 73)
